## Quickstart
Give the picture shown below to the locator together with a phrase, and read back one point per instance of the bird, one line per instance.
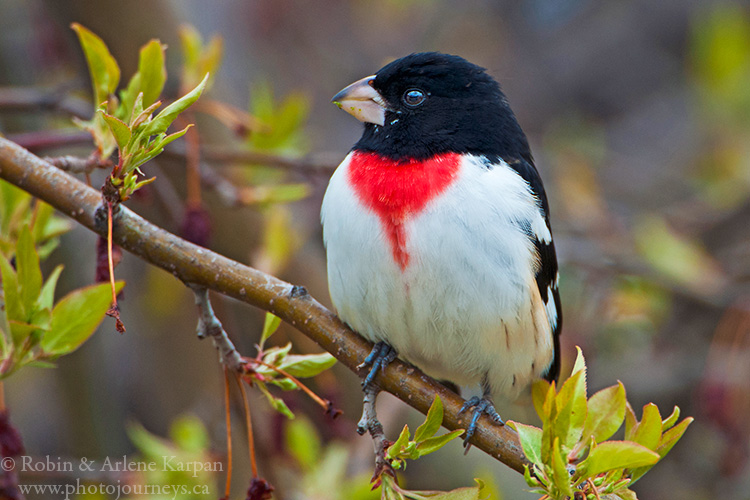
(437, 232)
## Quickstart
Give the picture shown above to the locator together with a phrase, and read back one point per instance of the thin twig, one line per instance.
(51, 139)
(24, 99)
(210, 326)
(370, 423)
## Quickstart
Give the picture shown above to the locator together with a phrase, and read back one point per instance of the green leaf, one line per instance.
(668, 440)
(29, 273)
(152, 71)
(531, 441)
(105, 73)
(571, 409)
(14, 309)
(46, 224)
(433, 421)
(303, 442)
(277, 404)
(678, 257)
(401, 442)
(189, 433)
(275, 355)
(120, 130)
(611, 455)
(670, 437)
(76, 316)
(199, 60)
(630, 422)
(648, 431)
(148, 444)
(548, 424)
(560, 475)
(625, 494)
(270, 325)
(580, 363)
(20, 331)
(434, 443)
(606, 411)
(465, 493)
(671, 420)
(307, 365)
(164, 119)
(539, 391)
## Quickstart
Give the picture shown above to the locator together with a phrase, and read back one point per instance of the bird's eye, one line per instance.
(413, 97)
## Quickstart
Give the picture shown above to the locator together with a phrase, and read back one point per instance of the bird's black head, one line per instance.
(431, 103)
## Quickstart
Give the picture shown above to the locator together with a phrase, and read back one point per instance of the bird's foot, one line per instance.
(478, 406)
(380, 357)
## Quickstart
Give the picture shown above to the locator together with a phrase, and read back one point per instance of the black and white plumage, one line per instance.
(437, 228)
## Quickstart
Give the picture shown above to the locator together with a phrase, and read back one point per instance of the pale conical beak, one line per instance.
(362, 101)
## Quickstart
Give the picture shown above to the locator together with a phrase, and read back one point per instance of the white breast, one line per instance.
(467, 306)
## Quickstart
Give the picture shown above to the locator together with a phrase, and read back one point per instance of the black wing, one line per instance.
(547, 276)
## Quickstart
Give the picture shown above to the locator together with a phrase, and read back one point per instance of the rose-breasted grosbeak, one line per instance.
(437, 230)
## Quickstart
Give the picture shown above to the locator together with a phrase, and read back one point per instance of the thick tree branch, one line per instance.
(199, 266)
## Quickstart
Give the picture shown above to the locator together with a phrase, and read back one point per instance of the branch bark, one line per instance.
(199, 266)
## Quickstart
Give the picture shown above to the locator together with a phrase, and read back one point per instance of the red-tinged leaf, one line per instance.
(671, 419)
(611, 455)
(670, 437)
(631, 421)
(648, 431)
(580, 363)
(606, 411)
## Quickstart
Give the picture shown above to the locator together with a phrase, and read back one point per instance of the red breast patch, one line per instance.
(398, 190)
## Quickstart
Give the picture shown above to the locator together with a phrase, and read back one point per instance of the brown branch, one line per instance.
(319, 164)
(50, 139)
(202, 267)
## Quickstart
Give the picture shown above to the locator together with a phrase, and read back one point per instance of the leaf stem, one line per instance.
(249, 425)
(114, 310)
(322, 402)
(228, 483)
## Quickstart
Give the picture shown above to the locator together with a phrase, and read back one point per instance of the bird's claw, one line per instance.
(381, 356)
(478, 407)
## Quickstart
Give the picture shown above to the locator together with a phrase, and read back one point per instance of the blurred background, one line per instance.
(638, 114)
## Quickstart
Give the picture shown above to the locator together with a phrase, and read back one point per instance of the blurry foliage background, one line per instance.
(639, 117)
